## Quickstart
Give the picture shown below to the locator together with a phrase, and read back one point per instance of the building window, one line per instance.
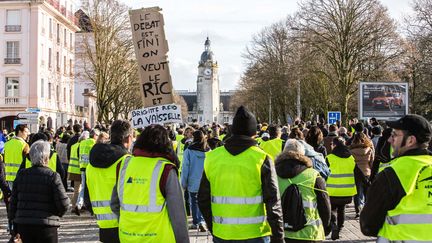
(12, 87)
(13, 21)
(57, 93)
(70, 40)
(70, 67)
(70, 96)
(58, 61)
(50, 27)
(58, 33)
(64, 65)
(49, 91)
(43, 23)
(42, 88)
(12, 52)
(64, 95)
(49, 57)
(65, 37)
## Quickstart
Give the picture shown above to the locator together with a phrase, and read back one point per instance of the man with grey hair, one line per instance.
(295, 146)
(38, 221)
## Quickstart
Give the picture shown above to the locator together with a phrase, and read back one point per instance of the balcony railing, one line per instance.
(12, 60)
(12, 101)
(67, 14)
(12, 28)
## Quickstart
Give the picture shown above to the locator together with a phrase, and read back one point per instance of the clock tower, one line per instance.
(208, 97)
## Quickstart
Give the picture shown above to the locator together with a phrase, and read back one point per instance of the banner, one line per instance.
(151, 50)
(384, 101)
(333, 117)
(156, 115)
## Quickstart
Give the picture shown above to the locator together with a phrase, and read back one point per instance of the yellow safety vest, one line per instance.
(314, 230)
(411, 219)
(52, 163)
(181, 148)
(74, 166)
(382, 166)
(100, 183)
(143, 212)
(13, 157)
(272, 147)
(236, 196)
(84, 152)
(175, 145)
(341, 182)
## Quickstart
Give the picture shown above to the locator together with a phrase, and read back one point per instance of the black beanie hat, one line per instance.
(244, 122)
(359, 127)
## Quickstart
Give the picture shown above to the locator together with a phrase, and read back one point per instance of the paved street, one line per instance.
(84, 229)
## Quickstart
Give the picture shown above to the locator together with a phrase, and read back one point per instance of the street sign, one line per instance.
(28, 115)
(33, 110)
(333, 117)
(28, 122)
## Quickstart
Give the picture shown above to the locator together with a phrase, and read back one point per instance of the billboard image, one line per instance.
(384, 101)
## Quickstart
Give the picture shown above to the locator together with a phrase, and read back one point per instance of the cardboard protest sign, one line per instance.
(151, 50)
(162, 114)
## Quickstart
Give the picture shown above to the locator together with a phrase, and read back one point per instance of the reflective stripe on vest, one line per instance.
(108, 216)
(248, 220)
(341, 175)
(384, 240)
(153, 184)
(237, 200)
(12, 165)
(96, 204)
(409, 219)
(340, 185)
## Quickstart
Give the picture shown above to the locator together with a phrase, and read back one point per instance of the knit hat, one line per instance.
(244, 122)
(358, 127)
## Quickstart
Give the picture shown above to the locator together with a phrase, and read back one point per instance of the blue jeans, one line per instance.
(197, 217)
(80, 200)
(265, 239)
(359, 198)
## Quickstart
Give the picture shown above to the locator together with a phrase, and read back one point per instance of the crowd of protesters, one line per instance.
(233, 179)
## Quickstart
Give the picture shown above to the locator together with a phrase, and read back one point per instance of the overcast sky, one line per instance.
(230, 25)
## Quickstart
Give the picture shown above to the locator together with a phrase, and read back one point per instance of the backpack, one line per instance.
(294, 215)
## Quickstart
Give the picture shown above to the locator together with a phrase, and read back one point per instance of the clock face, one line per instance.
(207, 71)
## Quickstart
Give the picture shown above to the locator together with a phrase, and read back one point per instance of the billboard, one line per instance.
(384, 101)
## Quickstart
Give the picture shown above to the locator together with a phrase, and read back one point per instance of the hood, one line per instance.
(309, 150)
(360, 150)
(104, 155)
(198, 147)
(236, 144)
(341, 152)
(289, 164)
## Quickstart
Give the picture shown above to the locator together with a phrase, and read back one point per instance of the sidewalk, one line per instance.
(84, 229)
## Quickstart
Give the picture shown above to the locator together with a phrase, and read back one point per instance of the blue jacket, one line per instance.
(192, 168)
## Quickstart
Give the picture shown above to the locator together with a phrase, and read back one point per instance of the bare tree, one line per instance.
(108, 53)
(357, 38)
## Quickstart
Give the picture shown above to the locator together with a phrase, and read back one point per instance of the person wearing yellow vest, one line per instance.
(293, 167)
(238, 195)
(275, 144)
(74, 172)
(398, 205)
(180, 145)
(15, 151)
(147, 197)
(101, 178)
(83, 156)
(340, 183)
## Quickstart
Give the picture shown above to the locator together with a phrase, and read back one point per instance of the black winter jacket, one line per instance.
(270, 191)
(38, 197)
(289, 165)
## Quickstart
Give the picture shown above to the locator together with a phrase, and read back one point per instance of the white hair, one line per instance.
(40, 153)
(84, 135)
(294, 146)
